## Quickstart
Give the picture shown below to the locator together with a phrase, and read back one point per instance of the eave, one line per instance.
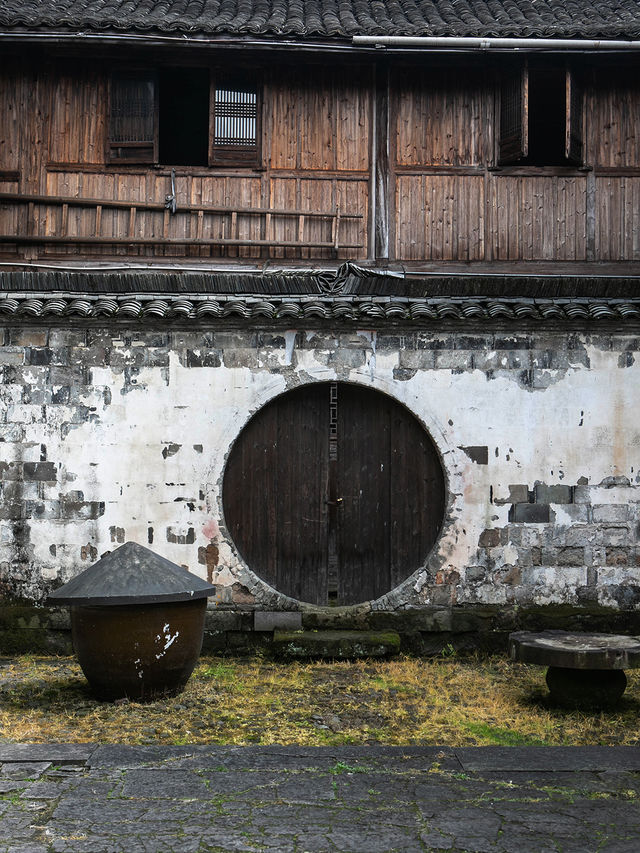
(351, 296)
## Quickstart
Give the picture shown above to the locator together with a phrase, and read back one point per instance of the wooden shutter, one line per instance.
(574, 118)
(235, 121)
(133, 134)
(513, 139)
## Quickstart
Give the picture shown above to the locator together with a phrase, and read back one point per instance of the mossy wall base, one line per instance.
(26, 629)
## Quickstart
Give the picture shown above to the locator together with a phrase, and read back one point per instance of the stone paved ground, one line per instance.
(209, 799)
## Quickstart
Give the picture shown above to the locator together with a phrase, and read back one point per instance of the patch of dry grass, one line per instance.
(445, 701)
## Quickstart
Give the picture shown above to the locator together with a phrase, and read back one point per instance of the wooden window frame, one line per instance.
(141, 151)
(513, 124)
(232, 154)
(147, 151)
(574, 119)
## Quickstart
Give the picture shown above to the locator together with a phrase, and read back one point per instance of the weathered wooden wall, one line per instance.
(315, 150)
(446, 201)
(441, 117)
(451, 206)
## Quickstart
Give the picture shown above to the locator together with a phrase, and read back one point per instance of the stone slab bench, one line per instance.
(584, 670)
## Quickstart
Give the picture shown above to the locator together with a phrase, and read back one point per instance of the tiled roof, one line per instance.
(331, 18)
(352, 295)
(345, 309)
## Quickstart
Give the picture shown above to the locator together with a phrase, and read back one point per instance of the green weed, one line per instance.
(497, 736)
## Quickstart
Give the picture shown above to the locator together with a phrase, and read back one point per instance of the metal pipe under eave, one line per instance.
(483, 43)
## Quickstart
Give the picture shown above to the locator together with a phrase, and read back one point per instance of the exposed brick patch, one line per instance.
(558, 494)
(570, 556)
(187, 538)
(617, 556)
(117, 534)
(80, 510)
(46, 471)
(479, 455)
(88, 552)
(489, 538)
(208, 556)
(240, 594)
(530, 513)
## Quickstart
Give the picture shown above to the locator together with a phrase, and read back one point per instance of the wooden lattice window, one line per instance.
(541, 116)
(235, 131)
(132, 135)
(184, 117)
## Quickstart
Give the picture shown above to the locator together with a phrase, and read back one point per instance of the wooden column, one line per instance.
(380, 200)
(591, 216)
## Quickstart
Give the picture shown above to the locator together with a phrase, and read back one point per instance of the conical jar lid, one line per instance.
(132, 574)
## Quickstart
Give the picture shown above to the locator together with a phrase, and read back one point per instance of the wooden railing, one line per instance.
(47, 221)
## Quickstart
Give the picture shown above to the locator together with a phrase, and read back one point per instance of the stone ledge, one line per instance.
(340, 645)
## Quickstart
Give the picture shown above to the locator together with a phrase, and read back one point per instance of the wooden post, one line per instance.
(591, 216)
(64, 225)
(335, 237)
(31, 218)
(380, 145)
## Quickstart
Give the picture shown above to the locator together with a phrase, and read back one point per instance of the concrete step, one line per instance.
(335, 645)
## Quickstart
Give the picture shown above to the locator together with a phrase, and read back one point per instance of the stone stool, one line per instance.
(584, 670)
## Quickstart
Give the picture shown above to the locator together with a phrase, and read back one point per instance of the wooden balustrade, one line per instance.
(48, 222)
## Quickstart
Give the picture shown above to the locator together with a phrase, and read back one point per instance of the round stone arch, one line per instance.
(334, 493)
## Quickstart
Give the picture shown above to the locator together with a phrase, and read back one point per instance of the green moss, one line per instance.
(497, 736)
(25, 629)
(335, 645)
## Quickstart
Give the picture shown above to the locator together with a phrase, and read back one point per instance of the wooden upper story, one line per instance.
(252, 154)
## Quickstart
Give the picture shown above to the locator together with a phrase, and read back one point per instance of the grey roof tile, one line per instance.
(332, 18)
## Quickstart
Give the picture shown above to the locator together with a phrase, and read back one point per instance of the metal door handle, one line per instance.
(334, 503)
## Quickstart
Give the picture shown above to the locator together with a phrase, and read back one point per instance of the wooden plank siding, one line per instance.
(538, 218)
(305, 169)
(446, 201)
(318, 119)
(440, 217)
(612, 111)
(618, 218)
(231, 193)
(440, 117)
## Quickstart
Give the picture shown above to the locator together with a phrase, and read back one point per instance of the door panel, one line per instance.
(274, 493)
(364, 486)
(334, 493)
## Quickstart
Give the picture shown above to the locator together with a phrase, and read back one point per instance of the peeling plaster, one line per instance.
(148, 444)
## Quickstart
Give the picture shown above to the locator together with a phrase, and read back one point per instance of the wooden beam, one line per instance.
(143, 205)
(173, 241)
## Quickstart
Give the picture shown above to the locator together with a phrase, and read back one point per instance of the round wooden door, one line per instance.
(333, 493)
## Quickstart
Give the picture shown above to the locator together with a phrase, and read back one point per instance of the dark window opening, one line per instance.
(541, 117)
(184, 116)
(547, 117)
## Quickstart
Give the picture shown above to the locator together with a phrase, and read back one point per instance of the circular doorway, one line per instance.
(334, 493)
